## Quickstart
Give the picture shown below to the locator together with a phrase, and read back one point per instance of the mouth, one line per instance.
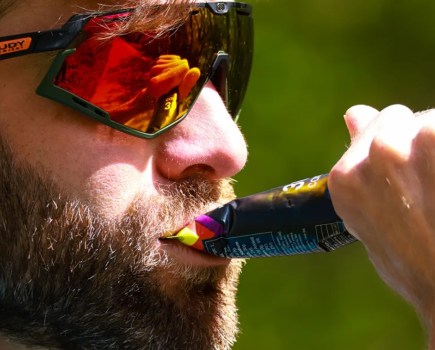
(186, 255)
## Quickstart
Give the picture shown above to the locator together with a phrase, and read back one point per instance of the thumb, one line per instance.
(357, 118)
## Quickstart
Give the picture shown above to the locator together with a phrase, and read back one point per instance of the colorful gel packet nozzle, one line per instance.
(294, 219)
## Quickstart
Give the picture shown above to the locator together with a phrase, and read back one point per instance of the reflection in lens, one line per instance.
(166, 112)
(146, 82)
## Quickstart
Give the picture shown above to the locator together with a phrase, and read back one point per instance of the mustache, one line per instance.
(33, 211)
(64, 267)
(41, 213)
(178, 203)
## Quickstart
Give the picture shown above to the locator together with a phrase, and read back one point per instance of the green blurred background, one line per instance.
(313, 60)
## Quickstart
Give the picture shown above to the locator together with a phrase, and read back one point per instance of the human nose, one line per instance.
(207, 142)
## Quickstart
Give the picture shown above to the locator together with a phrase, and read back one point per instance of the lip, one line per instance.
(190, 224)
(189, 256)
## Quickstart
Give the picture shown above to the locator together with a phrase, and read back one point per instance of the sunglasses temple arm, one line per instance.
(34, 42)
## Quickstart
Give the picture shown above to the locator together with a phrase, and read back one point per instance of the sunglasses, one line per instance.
(139, 82)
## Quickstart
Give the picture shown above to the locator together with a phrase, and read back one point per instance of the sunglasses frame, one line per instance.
(61, 39)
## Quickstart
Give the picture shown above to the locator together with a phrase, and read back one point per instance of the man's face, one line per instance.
(83, 207)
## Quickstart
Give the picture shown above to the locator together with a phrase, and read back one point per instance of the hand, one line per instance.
(384, 190)
(168, 73)
(171, 71)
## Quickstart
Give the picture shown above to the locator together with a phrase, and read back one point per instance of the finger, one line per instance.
(393, 131)
(357, 118)
(423, 155)
(162, 67)
(168, 58)
(382, 145)
(428, 112)
(188, 82)
(388, 171)
(384, 134)
(165, 82)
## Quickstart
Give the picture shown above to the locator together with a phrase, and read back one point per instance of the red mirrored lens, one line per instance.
(139, 87)
(147, 83)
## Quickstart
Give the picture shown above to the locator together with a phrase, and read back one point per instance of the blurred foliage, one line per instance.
(313, 60)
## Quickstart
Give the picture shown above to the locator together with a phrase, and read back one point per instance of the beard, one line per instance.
(69, 279)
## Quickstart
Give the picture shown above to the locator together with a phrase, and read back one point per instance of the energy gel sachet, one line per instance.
(294, 219)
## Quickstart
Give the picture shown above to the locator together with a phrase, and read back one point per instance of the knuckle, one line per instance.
(398, 110)
(339, 174)
(343, 184)
(379, 148)
(425, 113)
(384, 152)
(426, 135)
(423, 147)
(343, 177)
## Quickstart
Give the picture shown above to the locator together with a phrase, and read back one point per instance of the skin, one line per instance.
(116, 182)
(100, 165)
(389, 167)
(389, 160)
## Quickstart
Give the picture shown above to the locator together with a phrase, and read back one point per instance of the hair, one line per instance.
(70, 279)
(148, 15)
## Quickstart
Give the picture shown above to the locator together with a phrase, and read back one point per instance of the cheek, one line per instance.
(84, 158)
(85, 165)
(111, 189)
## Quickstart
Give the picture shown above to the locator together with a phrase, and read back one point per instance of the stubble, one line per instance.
(71, 280)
